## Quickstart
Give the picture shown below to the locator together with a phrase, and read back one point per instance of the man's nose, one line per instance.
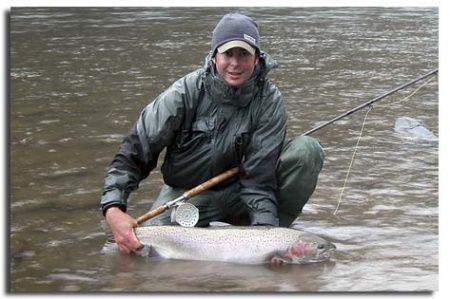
(234, 60)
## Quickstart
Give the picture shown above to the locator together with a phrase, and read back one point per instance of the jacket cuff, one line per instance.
(121, 207)
(113, 198)
(264, 219)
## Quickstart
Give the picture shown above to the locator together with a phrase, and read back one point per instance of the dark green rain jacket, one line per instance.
(207, 127)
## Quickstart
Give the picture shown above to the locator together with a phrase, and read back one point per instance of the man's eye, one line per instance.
(240, 53)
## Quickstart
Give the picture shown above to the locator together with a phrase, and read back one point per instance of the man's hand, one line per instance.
(122, 225)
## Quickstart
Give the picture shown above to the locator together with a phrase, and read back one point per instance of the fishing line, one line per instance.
(360, 136)
(353, 159)
(410, 95)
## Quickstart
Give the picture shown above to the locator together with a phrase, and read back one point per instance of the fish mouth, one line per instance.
(323, 255)
(327, 255)
(330, 251)
(322, 258)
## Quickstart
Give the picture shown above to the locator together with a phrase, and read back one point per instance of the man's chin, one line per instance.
(236, 82)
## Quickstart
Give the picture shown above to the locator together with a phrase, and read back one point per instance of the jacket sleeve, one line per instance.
(138, 153)
(258, 171)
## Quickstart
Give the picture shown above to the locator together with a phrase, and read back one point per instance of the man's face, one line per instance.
(235, 65)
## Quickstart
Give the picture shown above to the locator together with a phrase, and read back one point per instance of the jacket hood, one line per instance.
(222, 92)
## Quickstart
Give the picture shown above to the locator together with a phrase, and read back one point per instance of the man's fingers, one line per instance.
(129, 246)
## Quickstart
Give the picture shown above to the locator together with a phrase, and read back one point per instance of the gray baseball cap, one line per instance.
(235, 30)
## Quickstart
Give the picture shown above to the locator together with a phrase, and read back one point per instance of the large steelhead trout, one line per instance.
(236, 244)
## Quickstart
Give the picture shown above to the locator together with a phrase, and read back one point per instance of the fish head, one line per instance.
(306, 251)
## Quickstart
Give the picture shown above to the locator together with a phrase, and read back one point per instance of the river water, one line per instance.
(80, 77)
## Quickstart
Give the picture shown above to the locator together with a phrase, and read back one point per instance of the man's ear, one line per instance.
(256, 60)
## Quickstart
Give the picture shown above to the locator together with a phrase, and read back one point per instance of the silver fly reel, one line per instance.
(185, 214)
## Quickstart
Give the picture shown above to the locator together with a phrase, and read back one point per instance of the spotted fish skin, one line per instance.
(235, 244)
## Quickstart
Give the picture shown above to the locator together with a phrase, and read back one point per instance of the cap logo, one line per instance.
(249, 38)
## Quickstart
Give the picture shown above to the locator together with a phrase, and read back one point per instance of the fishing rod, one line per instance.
(189, 215)
(351, 111)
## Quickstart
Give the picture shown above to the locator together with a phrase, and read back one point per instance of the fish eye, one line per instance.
(320, 246)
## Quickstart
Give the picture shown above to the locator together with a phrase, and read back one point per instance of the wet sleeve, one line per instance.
(258, 171)
(127, 169)
(138, 153)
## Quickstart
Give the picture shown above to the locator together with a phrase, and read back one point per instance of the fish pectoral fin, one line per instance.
(144, 251)
(279, 259)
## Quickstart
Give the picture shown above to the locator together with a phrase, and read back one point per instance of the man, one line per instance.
(223, 115)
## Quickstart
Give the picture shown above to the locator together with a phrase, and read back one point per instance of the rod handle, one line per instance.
(151, 214)
(211, 182)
